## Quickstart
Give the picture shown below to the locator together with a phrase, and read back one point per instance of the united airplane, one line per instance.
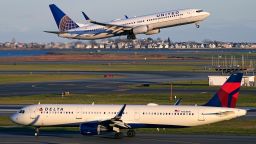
(115, 119)
(130, 26)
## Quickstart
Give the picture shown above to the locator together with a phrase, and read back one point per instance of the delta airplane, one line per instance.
(130, 27)
(115, 119)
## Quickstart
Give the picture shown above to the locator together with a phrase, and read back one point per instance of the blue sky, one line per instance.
(230, 20)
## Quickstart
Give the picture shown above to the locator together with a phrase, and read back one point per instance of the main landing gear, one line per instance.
(131, 133)
(131, 37)
(37, 131)
(118, 135)
(197, 26)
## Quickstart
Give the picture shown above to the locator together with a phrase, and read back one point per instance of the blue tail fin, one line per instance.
(63, 22)
(227, 95)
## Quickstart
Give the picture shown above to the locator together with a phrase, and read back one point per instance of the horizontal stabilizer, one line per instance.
(220, 113)
(54, 32)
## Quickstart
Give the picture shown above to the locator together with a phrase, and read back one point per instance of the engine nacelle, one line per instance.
(156, 31)
(89, 128)
(140, 29)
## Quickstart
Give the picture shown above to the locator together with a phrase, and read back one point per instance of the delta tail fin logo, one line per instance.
(227, 95)
(63, 22)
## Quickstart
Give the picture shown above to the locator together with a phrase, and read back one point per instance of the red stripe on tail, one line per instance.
(224, 92)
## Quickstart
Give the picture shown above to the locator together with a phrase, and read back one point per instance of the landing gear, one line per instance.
(37, 131)
(131, 133)
(197, 26)
(131, 36)
(118, 135)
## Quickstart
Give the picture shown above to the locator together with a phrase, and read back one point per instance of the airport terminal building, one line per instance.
(248, 81)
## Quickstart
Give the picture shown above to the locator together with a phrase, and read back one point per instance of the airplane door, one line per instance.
(136, 115)
(200, 115)
(33, 113)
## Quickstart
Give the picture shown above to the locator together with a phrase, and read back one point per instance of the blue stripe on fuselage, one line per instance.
(81, 32)
(133, 125)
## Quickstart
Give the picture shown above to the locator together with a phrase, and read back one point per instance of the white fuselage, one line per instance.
(154, 23)
(137, 116)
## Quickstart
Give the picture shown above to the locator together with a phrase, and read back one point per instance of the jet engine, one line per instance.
(140, 29)
(156, 31)
(92, 128)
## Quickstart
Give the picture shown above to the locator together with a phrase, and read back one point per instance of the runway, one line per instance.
(62, 138)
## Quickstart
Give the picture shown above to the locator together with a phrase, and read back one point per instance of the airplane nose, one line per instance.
(14, 118)
(208, 14)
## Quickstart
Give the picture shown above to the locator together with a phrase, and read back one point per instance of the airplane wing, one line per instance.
(96, 127)
(116, 121)
(178, 101)
(112, 27)
(250, 109)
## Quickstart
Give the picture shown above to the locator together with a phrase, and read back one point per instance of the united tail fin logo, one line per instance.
(66, 24)
(227, 95)
(63, 22)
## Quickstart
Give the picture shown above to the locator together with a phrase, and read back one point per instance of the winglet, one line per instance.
(178, 101)
(120, 113)
(126, 17)
(85, 16)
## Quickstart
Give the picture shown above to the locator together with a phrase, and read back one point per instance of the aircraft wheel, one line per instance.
(118, 135)
(131, 36)
(197, 26)
(37, 131)
(131, 133)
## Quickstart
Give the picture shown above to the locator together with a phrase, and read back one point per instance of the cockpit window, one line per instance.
(198, 11)
(22, 111)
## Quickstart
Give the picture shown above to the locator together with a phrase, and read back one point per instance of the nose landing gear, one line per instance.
(197, 26)
(37, 131)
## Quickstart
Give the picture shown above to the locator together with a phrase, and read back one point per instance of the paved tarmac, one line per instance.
(96, 85)
(62, 138)
(103, 85)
